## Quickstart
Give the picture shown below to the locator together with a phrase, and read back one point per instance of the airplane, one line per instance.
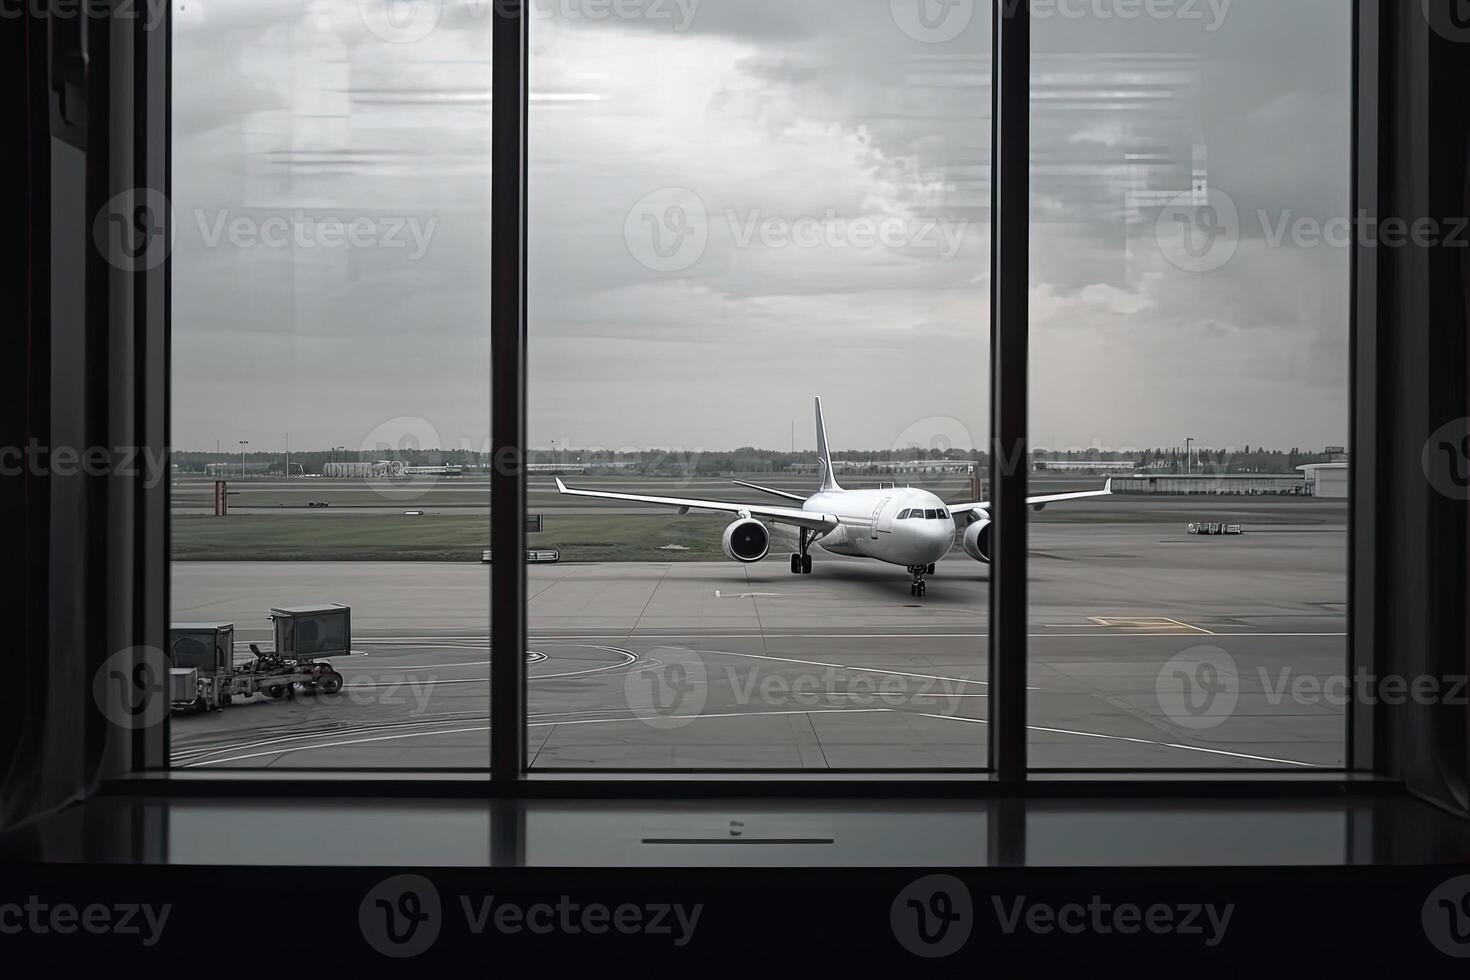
(897, 525)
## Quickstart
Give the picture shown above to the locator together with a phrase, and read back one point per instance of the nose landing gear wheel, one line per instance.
(806, 564)
(917, 588)
(795, 564)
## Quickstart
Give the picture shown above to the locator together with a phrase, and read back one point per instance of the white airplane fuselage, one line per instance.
(871, 527)
(897, 525)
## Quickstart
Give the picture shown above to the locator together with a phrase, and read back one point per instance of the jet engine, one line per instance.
(747, 541)
(977, 541)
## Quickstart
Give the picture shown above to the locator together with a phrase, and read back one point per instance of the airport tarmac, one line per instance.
(1149, 648)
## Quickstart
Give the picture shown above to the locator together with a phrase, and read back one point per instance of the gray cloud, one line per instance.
(770, 111)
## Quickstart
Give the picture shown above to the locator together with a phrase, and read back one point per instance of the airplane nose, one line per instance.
(929, 541)
(941, 539)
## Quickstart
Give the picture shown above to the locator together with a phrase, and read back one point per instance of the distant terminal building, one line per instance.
(889, 466)
(929, 466)
(350, 471)
(240, 469)
(1213, 484)
(838, 465)
(1084, 465)
(1328, 480)
(386, 469)
(584, 466)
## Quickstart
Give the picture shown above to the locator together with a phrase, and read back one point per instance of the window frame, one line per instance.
(1007, 748)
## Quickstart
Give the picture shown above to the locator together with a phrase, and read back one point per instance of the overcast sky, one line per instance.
(739, 204)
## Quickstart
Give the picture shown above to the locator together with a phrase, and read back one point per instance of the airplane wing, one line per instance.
(769, 490)
(1037, 502)
(793, 516)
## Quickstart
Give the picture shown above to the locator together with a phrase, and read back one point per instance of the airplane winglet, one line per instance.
(560, 486)
(1108, 487)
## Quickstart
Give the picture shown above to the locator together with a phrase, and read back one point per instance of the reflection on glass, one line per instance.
(733, 214)
(1189, 340)
(330, 404)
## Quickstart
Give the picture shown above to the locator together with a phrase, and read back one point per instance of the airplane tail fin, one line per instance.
(824, 455)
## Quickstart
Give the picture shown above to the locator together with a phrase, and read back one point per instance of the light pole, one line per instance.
(243, 444)
(1188, 456)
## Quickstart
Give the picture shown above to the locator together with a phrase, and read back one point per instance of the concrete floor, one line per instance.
(1148, 648)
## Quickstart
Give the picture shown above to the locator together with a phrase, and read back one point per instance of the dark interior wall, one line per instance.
(1448, 399)
(24, 404)
(87, 354)
(1413, 351)
(83, 385)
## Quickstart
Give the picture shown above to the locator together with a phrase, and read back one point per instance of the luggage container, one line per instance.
(203, 673)
(207, 652)
(312, 632)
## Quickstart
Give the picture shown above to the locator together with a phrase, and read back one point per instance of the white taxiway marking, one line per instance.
(894, 694)
(861, 670)
(739, 714)
(552, 638)
(1190, 626)
(393, 668)
(537, 724)
(415, 683)
(453, 718)
(914, 635)
(723, 653)
(632, 659)
(400, 667)
(200, 752)
(1138, 741)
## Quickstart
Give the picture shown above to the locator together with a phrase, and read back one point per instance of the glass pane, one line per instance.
(1189, 341)
(737, 207)
(330, 384)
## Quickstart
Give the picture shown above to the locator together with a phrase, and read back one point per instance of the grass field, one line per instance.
(439, 537)
(365, 523)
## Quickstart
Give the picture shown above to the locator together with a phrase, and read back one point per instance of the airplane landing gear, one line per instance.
(917, 588)
(801, 563)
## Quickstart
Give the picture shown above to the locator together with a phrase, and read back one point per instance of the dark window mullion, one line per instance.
(508, 632)
(1361, 728)
(1009, 267)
